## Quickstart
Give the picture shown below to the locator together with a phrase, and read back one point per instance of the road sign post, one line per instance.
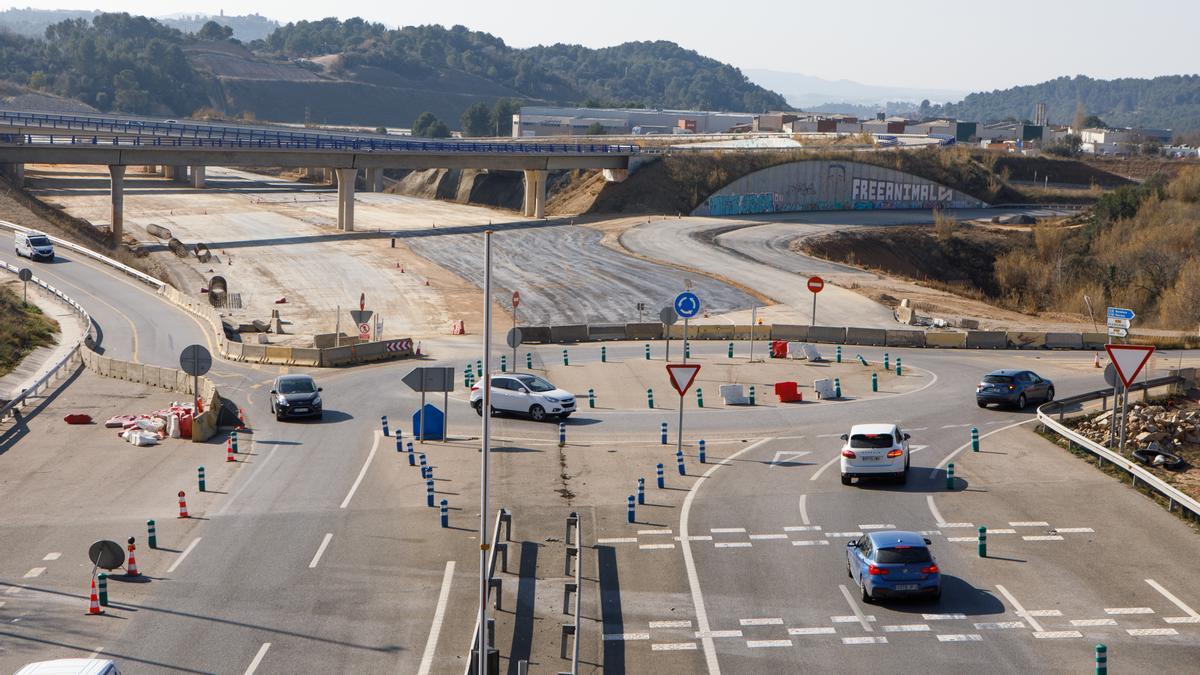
(815, 284)
(432, 379)
(668, 317)
(682, 376)
(25, 274)
(195, 360)
(1128, 361)
(687, 305)
(484, 457)
(516, 302)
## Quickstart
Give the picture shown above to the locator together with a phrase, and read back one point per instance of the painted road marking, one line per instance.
(803, 511)
(1057, 634)
(439, 615)
(907, 628)
(1043, 537)
(733, 544)
(654, 531)
(363, 472)
(183, 555)
(917, 428)
(961, 637)
(1174, 600)
(35, 572)
(877, 526)
(697, 537)
(1073, 530)
(625, 637)
(753, 644)
(95, 652)
(929, 533)
(710, 634)
(13, 590)
(727, 530)
(962, 539)
(1029, 523)
(789, 457)
(937, 515)
(655, 546)
(52, 556)
(935, 471)
(1093, 622)
(261, 462)
(761, 622)
(858, 613)
(819, 630)
(955, 426)
(671, 624)
(262, 651)
(946, 526)
(1044, 612)
(864, 640)
(1182, 619)
(768, 536)
(1140, 632)
(689, 562)
(943, 617)
(843, 534)
(824, 466)
(850, 618)
(673, 646)
(1019, 609)
(617, 540)
(802, 528)
(811, 542)
(1128, 610)
(1002, 530)
(999, 625)
(320, 550)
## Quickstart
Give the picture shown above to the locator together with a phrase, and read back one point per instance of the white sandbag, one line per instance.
(795, 350)
(173, 426)
(824, 388)
(811, 353)
(733, 394)
(141, 438)
(154, 424)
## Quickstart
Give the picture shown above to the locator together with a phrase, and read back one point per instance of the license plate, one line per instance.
(868, 458)
(299, 410)
(907, 587)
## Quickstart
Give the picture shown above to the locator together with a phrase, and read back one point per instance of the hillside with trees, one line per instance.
(1167, 102)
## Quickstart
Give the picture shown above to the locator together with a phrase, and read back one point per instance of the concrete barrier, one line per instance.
(606, 331)
(790, 332)
(644, 331)
(949, 340)
(1019, 339)
(987, 339)
(338, 356)
(830, 334)
(304, 356)
(746, 332)
(254, 353)
(712, 332)
(866, 336)
(233, 350)
(570, 333)
(1094, 340)
(905, 338)
(371, 351)
(275, 354)
(1064, 340)
(535, 333)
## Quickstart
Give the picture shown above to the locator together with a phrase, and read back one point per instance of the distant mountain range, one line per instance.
(809, 92)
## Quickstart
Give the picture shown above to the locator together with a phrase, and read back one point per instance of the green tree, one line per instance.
(503, 113)
(595, 129)
(477, 120)
(1094, 122)
(214, 32)
(427, 125)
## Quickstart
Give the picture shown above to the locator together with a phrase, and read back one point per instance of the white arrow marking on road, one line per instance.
(788, 457)
(916, 448)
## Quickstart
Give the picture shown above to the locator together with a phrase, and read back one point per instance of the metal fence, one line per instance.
(499, 548)
(574, 550)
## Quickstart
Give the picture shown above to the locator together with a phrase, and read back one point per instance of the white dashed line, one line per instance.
(850, 618)
(947, 526)
(1142, 632)
(819, 630)
(943, 617)
(858, 613)
(363, 472)
(617, 540)
(907, 628)
(761, 622)
(439, 615)
(183, 555)
(35, 572)
(1019, 609)
(671, 624)
(733, 544)
(1073, 530)
(709, 634)
(625, 637)
(1174, 600)
(802, 528)
(697, 537)
(320, 550)
(955, 426)
(727, 530)
(673, 646)
(843, 534)
(95, 652)
(999, 625)
(262, 651)
(654, 532)
(754, 644)
(1128, 610)
(877, 526)
(864, 640)
(811, 542)
(1043, 537)
(803, 511)
(1079, 623)
(1182, 619)
(769, 536)
(1030, 523)
(652, 547)
(961, 539)
(1057, 634)
(930, 533)
(961, 637)
(52, 556)
(1044, 612)
(918, 428)
(1002, 530)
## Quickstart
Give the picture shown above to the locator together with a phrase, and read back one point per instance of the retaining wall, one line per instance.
(866, 336)
(987, 339)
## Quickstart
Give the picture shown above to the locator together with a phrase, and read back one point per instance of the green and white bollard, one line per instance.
(885, 361)
(603, 354)
(102, 589)
(838, 353)
(1101, 655)
(699, 397)
(151, 534)
(861, 360)
(687, 349)
(837, 387)
(529, 360)
(950, 476)
(478, 368)
(647, 352)
(591, 398)
(467, 377)
(751, 394)
(233, 440)
(982, 541)
(729, 352)
(650, 398)
(874, 382)
(200, 476)
(898, 365)
(566, 360)
(503, 363)
(975, 439)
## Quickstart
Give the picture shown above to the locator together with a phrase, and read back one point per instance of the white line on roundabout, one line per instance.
(710, 649)
(242, 488)
(363, 472)
(320, 550)
(804, 509)
(937, 515)
(183, 555)
(824, 466)
(262, 651)
(439, 615)
(946, 460)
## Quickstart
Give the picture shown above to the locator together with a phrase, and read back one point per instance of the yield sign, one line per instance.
(1129, 360)
(682, 375)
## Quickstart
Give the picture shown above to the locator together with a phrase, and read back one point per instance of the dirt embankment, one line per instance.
(1059, 171)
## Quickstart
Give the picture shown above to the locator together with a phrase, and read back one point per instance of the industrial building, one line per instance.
(1120, 141)
(546, 121)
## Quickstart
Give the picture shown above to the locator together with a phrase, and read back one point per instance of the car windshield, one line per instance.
(297, 386)
(871, 441)
(998, 379)
(902, 554)
(535, 383)
(39, 241)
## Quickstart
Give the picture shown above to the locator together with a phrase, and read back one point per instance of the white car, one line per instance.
(525, 394)
(874, 451)
(33, 245)
(71, 667)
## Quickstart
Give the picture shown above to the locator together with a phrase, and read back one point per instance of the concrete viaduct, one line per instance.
(344, 157)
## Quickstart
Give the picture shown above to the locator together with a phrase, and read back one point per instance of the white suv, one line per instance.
(874, 450)
(525, 394)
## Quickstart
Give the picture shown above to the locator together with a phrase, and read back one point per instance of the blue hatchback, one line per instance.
(893, 564)
(1013, 387)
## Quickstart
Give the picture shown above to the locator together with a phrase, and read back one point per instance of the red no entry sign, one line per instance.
(516, 299)
(815, 284)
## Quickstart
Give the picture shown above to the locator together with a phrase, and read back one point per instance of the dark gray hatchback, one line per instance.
(1013, 387)
(295, 396)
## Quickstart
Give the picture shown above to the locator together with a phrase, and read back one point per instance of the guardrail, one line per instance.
(574, 550)
(63, 243)
(1175, 498)
(503, 517)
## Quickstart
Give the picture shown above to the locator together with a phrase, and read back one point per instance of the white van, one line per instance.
(34, 245)
(71, 667)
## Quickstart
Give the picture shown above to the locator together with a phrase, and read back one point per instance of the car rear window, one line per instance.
(871, 441)
(998, 379)
(902, 554)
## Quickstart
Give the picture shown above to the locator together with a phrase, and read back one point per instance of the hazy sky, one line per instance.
(967, 45)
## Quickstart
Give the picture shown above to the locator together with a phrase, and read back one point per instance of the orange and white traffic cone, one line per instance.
(131, 569)
(1096, 360)
(241, 419)
(94, 603)
(229, 451)
(182, 506)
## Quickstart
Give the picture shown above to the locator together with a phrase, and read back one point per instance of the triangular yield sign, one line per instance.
(682, 375)
(1129, 360)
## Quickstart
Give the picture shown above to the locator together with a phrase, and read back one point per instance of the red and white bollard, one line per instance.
(241, 419)
(131, 569)
(94, 603)
(199, 406)
(229, 451)
(182, 506)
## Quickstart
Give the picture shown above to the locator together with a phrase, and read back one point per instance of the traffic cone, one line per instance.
(229, 450)
(182, 506)
(131, 569)
(241, 419)
(94, 603)
(1096, 360)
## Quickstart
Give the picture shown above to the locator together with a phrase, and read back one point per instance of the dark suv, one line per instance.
(1013, 387)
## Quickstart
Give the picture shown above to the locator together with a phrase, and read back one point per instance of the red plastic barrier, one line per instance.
(788, 392)
(78, 418)
(779, 349)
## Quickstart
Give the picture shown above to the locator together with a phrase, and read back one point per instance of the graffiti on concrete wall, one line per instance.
(885, 190)
(739, 205)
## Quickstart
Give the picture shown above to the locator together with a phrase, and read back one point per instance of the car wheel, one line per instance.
(845, 480)
(936, 596)
(1050, 394)
(903, 478)
(478, 406)
(848, 572)
(981, 404)
(1021, 402)
(866, 595)
(537, 413)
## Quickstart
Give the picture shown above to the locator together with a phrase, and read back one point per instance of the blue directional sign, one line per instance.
(687, 305)
(1114, 313)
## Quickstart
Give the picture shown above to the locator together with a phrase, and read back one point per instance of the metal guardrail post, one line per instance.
(574, 547)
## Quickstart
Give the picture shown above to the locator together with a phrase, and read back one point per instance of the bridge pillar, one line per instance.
(116, 175)
(150, 169)
(530, 185)
(15, 172)
(198, 176)
(345, 180)
(331, 176)
(539, 195)
(181, 174)
(373, 180)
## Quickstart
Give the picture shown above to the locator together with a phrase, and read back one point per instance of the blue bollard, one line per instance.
(975, 439)
(679, 461)
(233, 440)
(641, 491)
(383, 421)
(422, 464)
(663, 434)
(429, 492)
(702, 459)
(562, 434)
(412, 457)
(399, 441)
(445, 513)
(838, 352)
(603, 354)
(631, 507)
(662, 483)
